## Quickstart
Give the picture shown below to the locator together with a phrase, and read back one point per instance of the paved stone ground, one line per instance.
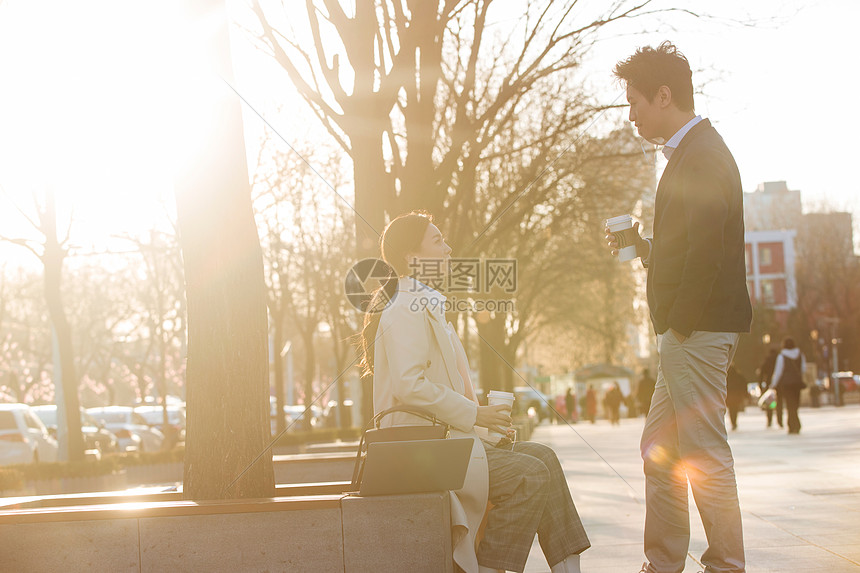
(800, 495)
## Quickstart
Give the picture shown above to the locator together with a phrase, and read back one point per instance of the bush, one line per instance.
(60, 470)
(148, 458)
(319, 436)
(11, 479)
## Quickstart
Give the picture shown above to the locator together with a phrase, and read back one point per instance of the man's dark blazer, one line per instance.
(696, 269)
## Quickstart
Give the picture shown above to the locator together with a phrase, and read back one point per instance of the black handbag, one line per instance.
(373, 433)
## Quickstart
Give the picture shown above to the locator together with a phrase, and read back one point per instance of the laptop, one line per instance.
(415, 466)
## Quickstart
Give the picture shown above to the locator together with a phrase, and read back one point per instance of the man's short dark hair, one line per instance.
(649, 68)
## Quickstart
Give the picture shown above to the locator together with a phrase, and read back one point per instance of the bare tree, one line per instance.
(565, 278)
(828, 284)
(414, 90)
(25, 339)
(163, 313)
(52, 252)
(459, 107)
(104, 307)
(306, 229)
(227, 374)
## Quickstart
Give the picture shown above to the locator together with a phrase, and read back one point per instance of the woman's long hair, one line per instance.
(402, 236)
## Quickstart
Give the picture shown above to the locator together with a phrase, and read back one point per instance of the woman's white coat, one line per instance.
(415, 363)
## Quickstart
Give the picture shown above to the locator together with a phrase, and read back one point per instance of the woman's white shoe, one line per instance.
(569, 565)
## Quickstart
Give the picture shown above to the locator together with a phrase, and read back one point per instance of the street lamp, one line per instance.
(813, 334)
(834, 342)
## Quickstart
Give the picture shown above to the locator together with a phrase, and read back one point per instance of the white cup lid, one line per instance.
(619, 219)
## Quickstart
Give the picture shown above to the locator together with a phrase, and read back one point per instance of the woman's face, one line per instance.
(432, 256)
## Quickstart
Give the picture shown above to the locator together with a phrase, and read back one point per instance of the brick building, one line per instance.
(772, 215)
(770, 260)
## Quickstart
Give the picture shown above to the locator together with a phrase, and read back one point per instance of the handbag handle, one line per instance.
(358, 469)
(377, 419)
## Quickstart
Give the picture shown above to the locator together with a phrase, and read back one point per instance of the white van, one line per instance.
(23, 437)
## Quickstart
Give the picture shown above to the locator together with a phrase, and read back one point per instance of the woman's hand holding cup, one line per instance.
(496, 418)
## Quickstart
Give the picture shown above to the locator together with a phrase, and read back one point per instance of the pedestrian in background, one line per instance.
(645, 391)
(570, 405)
(736, 394)
(765, 373)
(630, 403)
(612, 404)
(815, 395)
(591, 404)
(788, 381)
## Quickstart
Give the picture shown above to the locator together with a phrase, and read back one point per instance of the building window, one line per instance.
(765, 257)
(767, 292)
(779, 292)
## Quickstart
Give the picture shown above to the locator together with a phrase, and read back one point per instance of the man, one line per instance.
(699, 304)
(765, 374)
(570, 405)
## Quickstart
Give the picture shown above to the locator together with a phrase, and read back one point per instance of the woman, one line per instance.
(788, 381)
(417, 359)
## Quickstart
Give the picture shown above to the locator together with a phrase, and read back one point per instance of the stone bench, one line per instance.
(331, 447)
(160, 532)
(311, 468)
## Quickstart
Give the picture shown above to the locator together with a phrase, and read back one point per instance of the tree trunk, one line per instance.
(495, 374)
(310, 370)
(227, 383)
(278, 365)
(418, 187)
(371, 197)
(53, 262)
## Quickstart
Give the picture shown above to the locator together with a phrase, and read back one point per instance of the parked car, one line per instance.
(847, 381)
(96, 435)
(174, 433)
(298, 413)
(348, 412)
(23, 437)
(131, 428)
(532, 402)
(293, 413)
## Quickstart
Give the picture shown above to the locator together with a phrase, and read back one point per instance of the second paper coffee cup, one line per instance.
(495, 397)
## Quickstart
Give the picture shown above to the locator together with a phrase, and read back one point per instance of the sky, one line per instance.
(88, 92)
(775, 91)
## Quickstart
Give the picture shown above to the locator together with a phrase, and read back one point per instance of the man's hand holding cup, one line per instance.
(623, 239)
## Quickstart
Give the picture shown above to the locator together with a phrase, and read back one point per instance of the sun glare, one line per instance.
(86, 111)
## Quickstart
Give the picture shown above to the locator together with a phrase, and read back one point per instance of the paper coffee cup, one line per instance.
(622, 228)
(495, 397)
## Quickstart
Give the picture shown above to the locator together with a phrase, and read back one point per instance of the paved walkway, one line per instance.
(800, 495)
